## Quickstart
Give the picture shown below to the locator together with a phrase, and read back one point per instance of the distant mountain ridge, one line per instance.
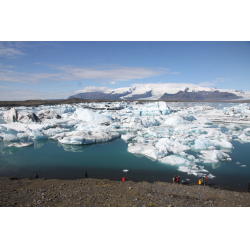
(164, 92)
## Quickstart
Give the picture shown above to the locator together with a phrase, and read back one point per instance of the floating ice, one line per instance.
(128, 137)
(176, 120)
(11, 115)
(125, 170)
(145, 149)
(48, 114)
(91, 116)
(202, 143)
(38, 135)
(21, 144)
(153, 109)
(10, 137)
(245, 138)
(243, 166)
(168, 145)
(82, 137)
(214, 155)
(176, 160)
(222, 143)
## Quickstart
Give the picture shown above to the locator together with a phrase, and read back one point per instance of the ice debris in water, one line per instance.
(125, 170)
(152, 129)
(21, 144)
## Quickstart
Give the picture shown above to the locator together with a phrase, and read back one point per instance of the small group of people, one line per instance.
(176, 179)
(203, 181)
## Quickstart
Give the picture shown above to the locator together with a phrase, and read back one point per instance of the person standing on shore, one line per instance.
(178, 179)
(86, 174)
(206, 179)
(174, 179)
(37, 176)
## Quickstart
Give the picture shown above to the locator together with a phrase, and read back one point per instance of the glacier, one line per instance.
(181, 136)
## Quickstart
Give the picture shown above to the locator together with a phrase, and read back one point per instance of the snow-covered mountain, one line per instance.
(164, 91)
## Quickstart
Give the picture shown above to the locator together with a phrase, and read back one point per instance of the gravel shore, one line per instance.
(106, 193)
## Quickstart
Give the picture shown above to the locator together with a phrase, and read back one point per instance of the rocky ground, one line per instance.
(106, 193)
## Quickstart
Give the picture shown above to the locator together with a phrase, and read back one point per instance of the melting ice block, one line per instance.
(10, 137)
(38, 135)
(128, 136)
(176, 120)
(91, 116)
(145, 149)
(214, 156)
(177, 160)
(11, 115)
(153, 109)
(245, 138)
(48, 114)
(168, 145)
(202, 143)
(21, 144)
(82, 137)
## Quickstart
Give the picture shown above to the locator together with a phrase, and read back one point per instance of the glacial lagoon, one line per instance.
(50, 158)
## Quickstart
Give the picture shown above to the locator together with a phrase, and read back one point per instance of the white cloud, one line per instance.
(9, 52)
(20, 95)
(70, 73)
(206, 84)
(113, 82)
(92, 89)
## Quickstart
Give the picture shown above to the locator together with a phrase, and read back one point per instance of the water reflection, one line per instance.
(216, 164)
(39, 143)
(80, 147)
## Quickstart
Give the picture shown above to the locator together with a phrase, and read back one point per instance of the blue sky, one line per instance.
(53, 70)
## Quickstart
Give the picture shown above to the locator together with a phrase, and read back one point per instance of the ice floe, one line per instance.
(21, 144)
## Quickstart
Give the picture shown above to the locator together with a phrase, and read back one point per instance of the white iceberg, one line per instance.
(214, 156)
(145, 149)
(202, 143)
(10, 137)
(128, 136)
(92, 116)
(38, 135)
(82, 137)
(21, 144)
(168, 145)
(245, 138)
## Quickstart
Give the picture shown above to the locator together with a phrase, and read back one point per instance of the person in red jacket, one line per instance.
(178, 179)
(206, 179)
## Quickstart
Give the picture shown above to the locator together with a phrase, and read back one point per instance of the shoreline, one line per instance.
(29, 103)
(88, 192)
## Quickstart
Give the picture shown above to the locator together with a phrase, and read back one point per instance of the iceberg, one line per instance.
(177, 160)
(168, 145)
(11, 115)
(245, 138)
(214, 156)
(91, 116)
(82, 137)
(48, 114)
(202, 143)
(176, 120)
(21, 144)
(10, 137)
(153, 109)
(145, 149)
(128, 137)
(38, 135)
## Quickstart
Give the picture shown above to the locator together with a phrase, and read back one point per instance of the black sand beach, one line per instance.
(106, 193)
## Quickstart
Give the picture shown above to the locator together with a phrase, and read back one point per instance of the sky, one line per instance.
(56, 70)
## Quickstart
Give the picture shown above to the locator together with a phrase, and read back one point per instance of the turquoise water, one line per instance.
(107, 160)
